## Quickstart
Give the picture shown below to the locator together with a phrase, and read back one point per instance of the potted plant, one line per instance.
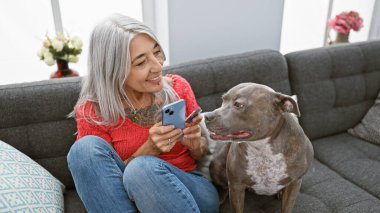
(343, 23)
(61, 50)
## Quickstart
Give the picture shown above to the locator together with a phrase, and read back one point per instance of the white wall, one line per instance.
(200, 29)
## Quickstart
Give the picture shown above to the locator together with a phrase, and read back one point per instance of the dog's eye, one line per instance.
(238, 105)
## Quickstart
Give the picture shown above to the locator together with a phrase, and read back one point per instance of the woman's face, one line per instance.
(146, 68)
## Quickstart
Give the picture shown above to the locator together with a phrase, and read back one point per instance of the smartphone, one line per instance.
(174, 114)
(194, 114)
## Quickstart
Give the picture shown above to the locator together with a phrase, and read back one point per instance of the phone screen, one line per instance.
(174, 114)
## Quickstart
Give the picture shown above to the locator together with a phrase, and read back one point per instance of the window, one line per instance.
(304, 22)
(23, 26)
(80, 24)
(364, 8)
(25, 23)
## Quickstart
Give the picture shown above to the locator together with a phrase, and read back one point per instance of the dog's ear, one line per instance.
(287, 103)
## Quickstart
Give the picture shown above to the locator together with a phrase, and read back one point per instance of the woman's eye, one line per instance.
(141, 63)
(238, 105)
(158, 54)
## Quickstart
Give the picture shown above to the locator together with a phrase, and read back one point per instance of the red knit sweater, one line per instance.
(128, 136)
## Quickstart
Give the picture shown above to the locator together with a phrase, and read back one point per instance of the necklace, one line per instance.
(133, 109)
(143, 116)
(146, 116)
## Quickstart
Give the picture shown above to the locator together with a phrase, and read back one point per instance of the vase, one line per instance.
(341, 38)
(63, 70)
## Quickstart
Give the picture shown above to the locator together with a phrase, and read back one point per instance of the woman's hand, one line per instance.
(193, 140)
(163, 138)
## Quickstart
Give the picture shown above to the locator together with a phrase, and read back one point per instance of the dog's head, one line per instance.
(249, 112)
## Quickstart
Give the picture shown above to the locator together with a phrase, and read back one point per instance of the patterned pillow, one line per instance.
(369, 128)
(25, 186)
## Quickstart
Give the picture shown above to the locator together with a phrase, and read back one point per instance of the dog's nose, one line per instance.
(208, 116)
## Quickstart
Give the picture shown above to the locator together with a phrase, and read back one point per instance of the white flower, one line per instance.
(60, 37)
(61, 47)
(48, 54)
(49, 61)
(57, 45)
(76, 42)
(73, 58)
(46, 43)
(42, 52)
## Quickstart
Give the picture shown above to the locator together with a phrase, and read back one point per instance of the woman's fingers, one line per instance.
(191, 129)
(163, 138)
(167, 145)
(195, 121)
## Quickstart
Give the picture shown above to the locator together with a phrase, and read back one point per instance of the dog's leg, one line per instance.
(237, 196)
(223, 194)
(218, 171)
(289, 195)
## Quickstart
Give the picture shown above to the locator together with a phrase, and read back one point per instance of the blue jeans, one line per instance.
(147, 184)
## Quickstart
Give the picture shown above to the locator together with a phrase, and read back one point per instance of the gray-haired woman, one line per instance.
(123, 159)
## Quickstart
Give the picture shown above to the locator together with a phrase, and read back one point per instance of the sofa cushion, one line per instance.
(34, 120)
(354, 159)
(322, 191)
(26, 186)
(210, 78)
(335, 85)
(73, 203)
(369, 128)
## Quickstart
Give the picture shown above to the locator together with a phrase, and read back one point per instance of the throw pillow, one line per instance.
(369, 128)
(25, 186)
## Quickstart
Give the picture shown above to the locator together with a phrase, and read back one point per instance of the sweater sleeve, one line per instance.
(184, 90)
(86, 127)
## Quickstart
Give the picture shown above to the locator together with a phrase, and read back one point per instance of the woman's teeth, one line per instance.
(155, 80)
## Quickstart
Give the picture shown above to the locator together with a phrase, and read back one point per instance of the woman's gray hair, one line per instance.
(109, 63)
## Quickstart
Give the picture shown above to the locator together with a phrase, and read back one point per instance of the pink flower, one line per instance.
(346, 21)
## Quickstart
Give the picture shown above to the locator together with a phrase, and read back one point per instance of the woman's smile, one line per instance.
(155, 80)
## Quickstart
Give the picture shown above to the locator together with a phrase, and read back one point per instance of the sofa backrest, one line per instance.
(33, 115)
(33, 120)
(335, 85)
(210, 78)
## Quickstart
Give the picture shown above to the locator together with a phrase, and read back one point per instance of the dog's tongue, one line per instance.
(239, 135)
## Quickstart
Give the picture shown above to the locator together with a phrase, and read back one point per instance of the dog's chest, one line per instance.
(265, 168)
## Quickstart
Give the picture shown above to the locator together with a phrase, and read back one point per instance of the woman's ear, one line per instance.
(287, 104)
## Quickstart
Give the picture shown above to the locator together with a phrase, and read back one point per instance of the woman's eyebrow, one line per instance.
(142, 54)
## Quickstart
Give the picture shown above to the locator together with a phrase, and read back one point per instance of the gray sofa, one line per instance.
(335, 86)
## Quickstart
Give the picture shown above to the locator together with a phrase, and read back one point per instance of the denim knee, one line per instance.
(139, 168)
(84, 149)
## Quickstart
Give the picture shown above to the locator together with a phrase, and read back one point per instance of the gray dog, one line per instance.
(266, 148)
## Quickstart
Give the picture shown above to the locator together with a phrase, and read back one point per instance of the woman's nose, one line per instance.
(156, 65)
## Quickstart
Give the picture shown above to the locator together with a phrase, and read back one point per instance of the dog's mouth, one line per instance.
(239, 135)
